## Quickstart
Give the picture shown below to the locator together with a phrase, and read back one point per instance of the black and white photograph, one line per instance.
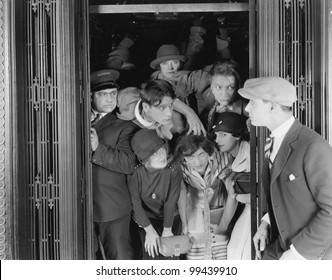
(165, 138)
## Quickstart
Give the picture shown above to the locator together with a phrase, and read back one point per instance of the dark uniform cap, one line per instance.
(274, 89)
(103, 79)
(145, 143)
(230, 122)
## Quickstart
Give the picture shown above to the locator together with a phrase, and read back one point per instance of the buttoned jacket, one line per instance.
(299, 192)
(112, 161)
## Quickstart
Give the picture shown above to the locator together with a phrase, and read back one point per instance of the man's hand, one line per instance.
(260, 238)
(195, 125)
(94, 139)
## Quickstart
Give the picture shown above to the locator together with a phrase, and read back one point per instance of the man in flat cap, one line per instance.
(297, 176)
(112, 159)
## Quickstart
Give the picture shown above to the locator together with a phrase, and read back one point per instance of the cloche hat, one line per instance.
(145, 143)
(167, 52)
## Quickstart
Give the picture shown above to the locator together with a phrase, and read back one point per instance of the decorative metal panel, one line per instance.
(3, 144)
(42, 129)
(296, 54)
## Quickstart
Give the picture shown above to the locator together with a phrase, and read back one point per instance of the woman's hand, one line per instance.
(152, 242)
(229, 183)
(167, 232)
(184, 229)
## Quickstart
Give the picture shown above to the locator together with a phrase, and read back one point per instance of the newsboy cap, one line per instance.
(103, 79)
(274, 89)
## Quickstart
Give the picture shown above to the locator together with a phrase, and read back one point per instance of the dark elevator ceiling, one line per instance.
(150, 30)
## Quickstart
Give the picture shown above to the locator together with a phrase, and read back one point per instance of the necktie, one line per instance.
(96, 118)
(268, 148)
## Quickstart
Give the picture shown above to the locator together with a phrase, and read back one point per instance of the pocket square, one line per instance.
(291, 177)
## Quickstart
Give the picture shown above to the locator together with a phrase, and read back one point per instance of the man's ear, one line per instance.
(145, 106)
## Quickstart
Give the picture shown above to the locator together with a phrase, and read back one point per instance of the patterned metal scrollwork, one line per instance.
(296, 54)
(3, 247)
(42, 130)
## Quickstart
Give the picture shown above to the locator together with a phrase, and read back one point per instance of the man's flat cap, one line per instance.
(274, 89)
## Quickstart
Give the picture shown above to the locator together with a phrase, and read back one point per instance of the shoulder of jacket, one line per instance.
(173, 166)
(138, 165)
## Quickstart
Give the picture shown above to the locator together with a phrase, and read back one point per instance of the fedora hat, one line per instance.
(167, 52)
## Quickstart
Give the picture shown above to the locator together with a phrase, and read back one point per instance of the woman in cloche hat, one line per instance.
(167, 65)
(154, 188)
(231, 135)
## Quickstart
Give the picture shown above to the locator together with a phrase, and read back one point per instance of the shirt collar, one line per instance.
(281, 130)
(140, 119)
(95, 113)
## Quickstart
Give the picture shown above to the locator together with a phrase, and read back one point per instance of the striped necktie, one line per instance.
(268, 148)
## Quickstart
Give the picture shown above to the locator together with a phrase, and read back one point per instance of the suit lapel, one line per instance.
(105, 121)
(285, 150)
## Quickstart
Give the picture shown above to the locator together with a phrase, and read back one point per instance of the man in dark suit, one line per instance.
(297, 176)
(112, 159)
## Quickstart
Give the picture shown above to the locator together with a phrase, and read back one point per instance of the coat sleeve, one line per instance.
(193, 82)
(140, 215)
(314, 240)
(120, 158)
(172, 195)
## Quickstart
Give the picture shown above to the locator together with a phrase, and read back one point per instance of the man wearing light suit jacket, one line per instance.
(297, 177)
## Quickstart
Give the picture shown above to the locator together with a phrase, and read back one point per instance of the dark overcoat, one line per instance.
(112, 161)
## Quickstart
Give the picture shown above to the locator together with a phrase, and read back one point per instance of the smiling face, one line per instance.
(158, 160)
(104, 101)
(198, 160)
(227, 142)
(223, 88)
(161, 113)
(169, 68)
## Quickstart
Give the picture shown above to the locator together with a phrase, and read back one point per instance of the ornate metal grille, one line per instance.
(42, 129)
(296, 54)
